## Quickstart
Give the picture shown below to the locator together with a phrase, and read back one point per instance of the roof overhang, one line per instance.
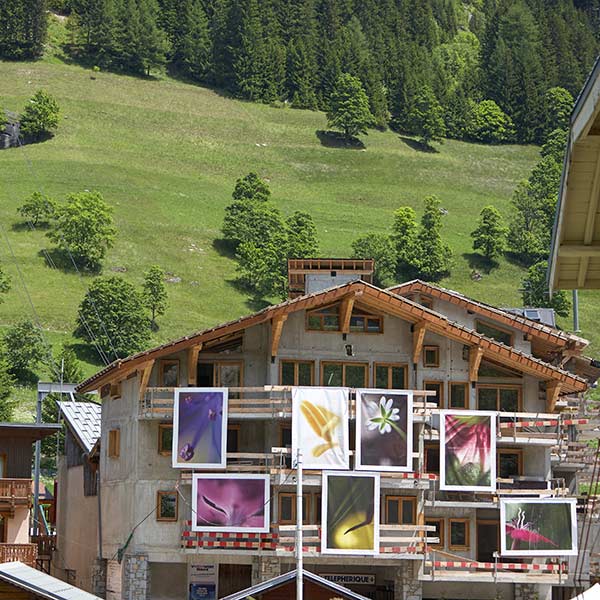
(369, 296)
(275, 582)
(575, 252)
(33, 431)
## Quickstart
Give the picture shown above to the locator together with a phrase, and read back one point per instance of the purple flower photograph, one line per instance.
(230, 503)
(200, 428)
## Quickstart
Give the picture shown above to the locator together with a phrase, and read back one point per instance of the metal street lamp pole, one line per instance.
(299, 519)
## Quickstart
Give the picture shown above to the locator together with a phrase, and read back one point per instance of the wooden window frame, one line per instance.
(161, 428)
(4, 528)
(436, 349)
(517, 451)
(467, 523)
(161, 493)
(296, 362)
(161, 371)
(426, 301)
(356, 312)
(498, 387)
(318, 518)
(494, 326)
(465, 384)
(306, 517)
(344, 365)
(426, 449)
(401, 500)
(283, 426)
(441, 527)
(441, 382)
(315, 311)
(389, 367)
(114, 443)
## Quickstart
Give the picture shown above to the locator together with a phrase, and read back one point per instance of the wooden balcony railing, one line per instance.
(13, 493)
(25, 553)
(394, 540)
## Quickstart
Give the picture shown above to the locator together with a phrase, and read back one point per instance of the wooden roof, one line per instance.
(575, 252)
(549, 335)
(369, 296)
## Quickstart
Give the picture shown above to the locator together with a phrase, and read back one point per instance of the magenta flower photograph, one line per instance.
(545, 527)
(468, 450)
(200, 428)
(230, 503)
(383, 430)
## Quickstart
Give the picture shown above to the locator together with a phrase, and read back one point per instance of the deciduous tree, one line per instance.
(349, 107)
(380, 248)
(112, 314)
(490, 235)
(38, 209)
(4, 284)
(302, 239)
(535, 291)
(426, 117)
(23, 350)
(155, 293)
(40, 117)
(84, 228)
(404, 233)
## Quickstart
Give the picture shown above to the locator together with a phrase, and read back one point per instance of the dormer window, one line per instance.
(328, 319)
(500, 335)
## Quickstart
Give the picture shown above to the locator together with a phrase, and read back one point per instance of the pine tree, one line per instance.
(23, 25)
(300, 75)
(432, 257)
(191, 40)
(490, 235)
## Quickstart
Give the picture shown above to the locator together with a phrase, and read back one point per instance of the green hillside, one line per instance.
(166, 155)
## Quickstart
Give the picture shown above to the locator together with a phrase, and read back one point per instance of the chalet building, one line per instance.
(77, 531)
(340, 330)
(16, 492)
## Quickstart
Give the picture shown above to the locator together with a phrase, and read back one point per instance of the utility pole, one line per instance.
(576, 311)
(299, 519)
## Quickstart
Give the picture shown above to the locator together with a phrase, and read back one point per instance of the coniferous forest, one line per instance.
(479, 61)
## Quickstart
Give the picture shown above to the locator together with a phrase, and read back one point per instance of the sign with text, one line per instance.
(349, 578)
(203, 582)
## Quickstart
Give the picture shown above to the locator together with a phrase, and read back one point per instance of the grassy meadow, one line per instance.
(166, 154)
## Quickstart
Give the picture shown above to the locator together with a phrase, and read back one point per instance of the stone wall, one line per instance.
(98, 576)
(264, 569)
(136, 577)
(406, 582)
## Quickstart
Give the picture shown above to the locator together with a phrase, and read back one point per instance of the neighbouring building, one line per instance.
(16, 492)
(454, 352)
(77, 531)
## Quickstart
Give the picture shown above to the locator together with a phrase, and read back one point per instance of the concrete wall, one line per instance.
(17, 527)
(77, 527)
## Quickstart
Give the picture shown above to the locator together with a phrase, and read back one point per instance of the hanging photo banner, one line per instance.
(545, 527)
(468, 450)
(350, 512)
(320, 427)
(200, 428)
(230, 503)
(384, 430)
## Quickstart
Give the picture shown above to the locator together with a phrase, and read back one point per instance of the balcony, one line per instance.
(25, 553)
(396, 541)
(13, 493)
(443, 566)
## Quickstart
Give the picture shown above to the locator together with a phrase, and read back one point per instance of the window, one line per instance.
(297, 372)
(114, 440)
(3, 527)
(500, 335)
(426, 301)
(168, 373)
(510, 463)
(166, 506)
(438, 533)
(318, 509)
(285, 441)
(459, 395)
(354, 375)
(165, 439)
(390, 376)
(221, 374)
(504, 398)
(432, 459)
(233, 438)
(488, 369)
(287, 508)
(431, 356)
(2, 466)
(364, 322)
(438, 388)
(324, 319)
(400, 510)
(459, 534)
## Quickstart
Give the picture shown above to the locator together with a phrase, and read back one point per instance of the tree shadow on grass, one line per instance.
(86, 352)
(480, 263)
(335, 139)
(56, 258)
(22, 226)
(253, 302)
(418, 146)
(224, 248)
